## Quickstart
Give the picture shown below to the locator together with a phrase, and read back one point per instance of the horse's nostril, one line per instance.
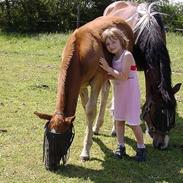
(157, 144)
(160, 145)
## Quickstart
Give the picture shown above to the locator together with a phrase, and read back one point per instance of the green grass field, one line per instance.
(28, 77)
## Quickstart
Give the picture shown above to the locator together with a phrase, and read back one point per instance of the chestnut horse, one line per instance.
(79, 69)
(152, 57)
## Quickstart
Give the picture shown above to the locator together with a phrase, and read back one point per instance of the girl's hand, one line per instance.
(104, 64)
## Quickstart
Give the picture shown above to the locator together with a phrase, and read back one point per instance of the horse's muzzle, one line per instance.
(55, 147)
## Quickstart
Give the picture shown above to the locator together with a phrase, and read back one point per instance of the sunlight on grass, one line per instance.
(28, 77)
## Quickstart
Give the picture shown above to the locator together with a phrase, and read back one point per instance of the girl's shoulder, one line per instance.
(127, 53)
(129, 57)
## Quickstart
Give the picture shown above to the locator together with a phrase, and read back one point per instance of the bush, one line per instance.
(47, 15)
(174, 17)
(61, 15)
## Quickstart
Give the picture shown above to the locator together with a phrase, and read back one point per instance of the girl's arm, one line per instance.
(123, 75)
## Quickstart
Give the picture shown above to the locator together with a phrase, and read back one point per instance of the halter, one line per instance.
(59, 113)
(59, 144)
(145, 112)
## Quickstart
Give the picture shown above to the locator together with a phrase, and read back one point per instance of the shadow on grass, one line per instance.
(161, 166)
(177, 134)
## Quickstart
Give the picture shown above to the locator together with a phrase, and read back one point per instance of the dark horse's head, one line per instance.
(58, 137)
(152, 55)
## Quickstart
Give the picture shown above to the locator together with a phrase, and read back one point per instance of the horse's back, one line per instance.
(90, 47)
(95, 28)
(122, 5)
(125, 10)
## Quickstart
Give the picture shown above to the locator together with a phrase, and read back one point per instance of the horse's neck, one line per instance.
(148, 89)
(149, 82)
(69, 83)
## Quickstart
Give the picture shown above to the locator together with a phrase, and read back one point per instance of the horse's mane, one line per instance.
(67, 55)
(68, 52)
(149, 32)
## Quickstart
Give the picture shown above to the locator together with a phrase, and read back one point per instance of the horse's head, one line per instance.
(159, 114)
(58, 137)
(160, 107)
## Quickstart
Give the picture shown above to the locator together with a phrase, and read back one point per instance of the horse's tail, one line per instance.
(150, 40)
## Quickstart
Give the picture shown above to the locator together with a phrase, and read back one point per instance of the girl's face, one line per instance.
(113, 46)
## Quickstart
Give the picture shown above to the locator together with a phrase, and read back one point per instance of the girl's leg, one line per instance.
(141, 153)
(120, 131)
(137, 130)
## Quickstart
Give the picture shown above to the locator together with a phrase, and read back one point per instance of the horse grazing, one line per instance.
(79, 69)
(152, 57)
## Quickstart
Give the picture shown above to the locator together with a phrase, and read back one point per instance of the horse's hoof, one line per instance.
(84, 158)
(95, 133)
(113, 133)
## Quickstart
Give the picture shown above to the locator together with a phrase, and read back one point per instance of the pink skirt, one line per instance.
(126, 101)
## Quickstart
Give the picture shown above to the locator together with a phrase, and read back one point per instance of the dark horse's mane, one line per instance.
(154, 54)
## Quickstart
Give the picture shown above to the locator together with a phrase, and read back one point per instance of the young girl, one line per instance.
(126, 91)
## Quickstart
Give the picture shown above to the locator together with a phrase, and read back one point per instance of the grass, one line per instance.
(28, 77)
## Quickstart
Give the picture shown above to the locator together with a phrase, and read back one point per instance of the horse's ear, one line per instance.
(43, 116)
(69, 119)
(176, 88)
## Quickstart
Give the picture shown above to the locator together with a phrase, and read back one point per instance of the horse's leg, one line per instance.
(90, 109)
(103, 102)
(84, 97)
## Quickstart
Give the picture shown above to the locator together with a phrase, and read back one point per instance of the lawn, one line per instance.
(28, 77)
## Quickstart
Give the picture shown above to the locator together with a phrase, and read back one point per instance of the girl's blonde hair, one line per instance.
(115, 33)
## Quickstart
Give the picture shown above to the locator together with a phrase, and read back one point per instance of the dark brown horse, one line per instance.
(79, 69)
(152, 56)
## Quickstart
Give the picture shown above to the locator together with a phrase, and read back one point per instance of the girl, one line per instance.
(126, 92)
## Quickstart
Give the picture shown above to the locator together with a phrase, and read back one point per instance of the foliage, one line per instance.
(64, 15)
(174, 16)
(48, 15)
